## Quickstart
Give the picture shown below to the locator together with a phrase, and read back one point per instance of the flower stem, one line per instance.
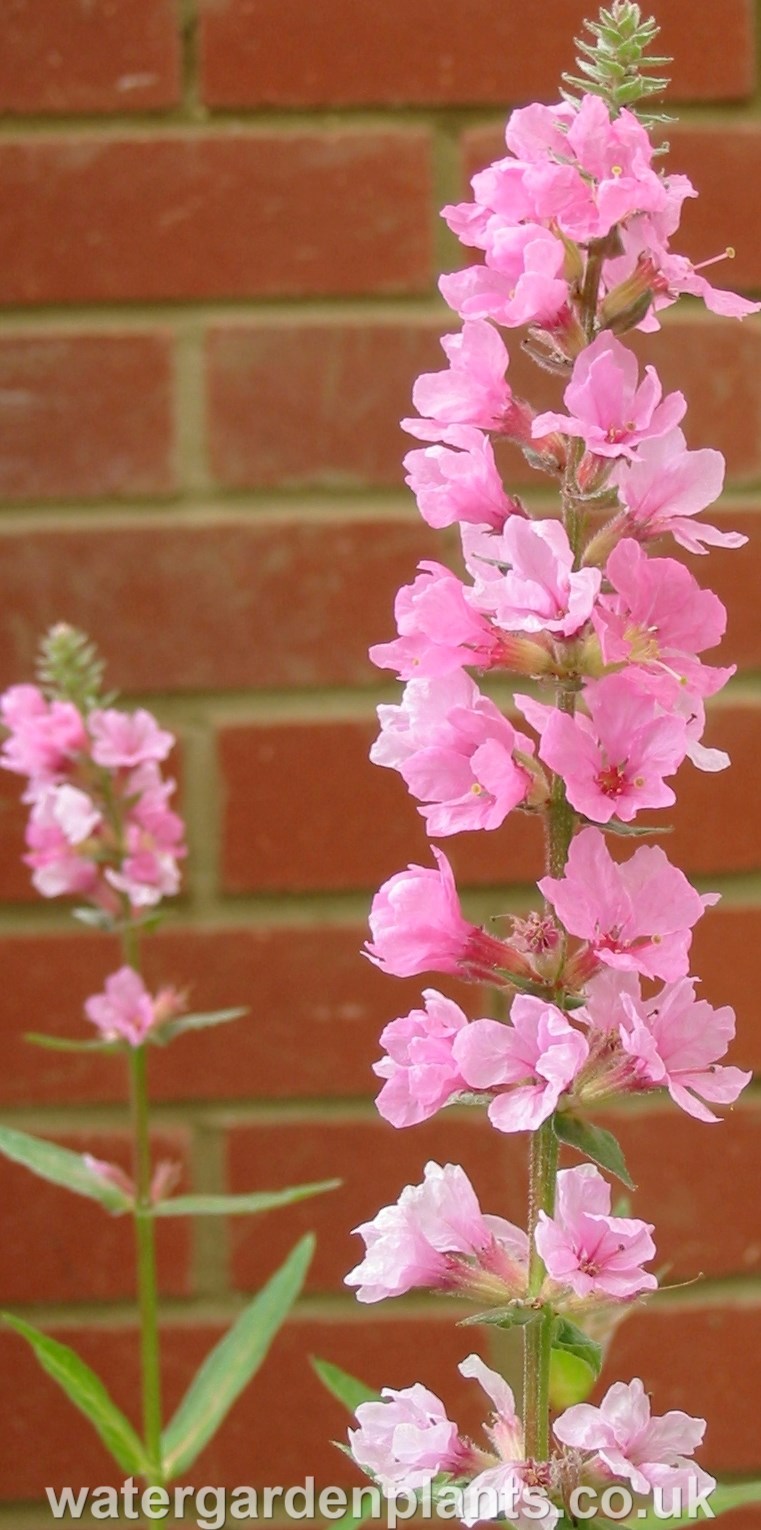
(538, 1334)
(145, 1244)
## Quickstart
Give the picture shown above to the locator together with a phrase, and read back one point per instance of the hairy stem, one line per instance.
(145, 1242)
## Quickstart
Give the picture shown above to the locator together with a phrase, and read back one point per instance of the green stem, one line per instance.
(145, 1243)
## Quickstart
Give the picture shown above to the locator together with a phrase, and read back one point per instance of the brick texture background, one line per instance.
(219, 246)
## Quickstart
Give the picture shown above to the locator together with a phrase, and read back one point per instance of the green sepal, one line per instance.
(232, 1363)
(88, 1394)
(240, 1205)
(345, 1388)
(594, 1142)
(60, 1166)
(514, 1315)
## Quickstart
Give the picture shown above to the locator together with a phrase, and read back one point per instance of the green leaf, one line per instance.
(240, 1205)
(61, 1167)
(631, 830)
(66, 1044)
(575, 1364)
(727, 1495)
(595, 1143)
(88, 1394)
(347, 1389)
(200, 1022)
(233, 1361)
(512, 1316)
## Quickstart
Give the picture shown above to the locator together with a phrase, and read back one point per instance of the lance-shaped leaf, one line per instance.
(240, 1205)
(201, 1022)
(67, 1044)
(345, 1388)
(61, 1167)
(88, 1394)
(594, 1142)
(232, 1363)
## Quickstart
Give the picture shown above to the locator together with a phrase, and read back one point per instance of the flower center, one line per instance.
(611, 780)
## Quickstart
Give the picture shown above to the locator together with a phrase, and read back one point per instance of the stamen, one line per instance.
(728, 254)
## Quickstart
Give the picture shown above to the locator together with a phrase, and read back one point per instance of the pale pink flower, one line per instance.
(648, 264)
(472, 391)
(455, 750)
(45, 736)
(612, 762)
(459, 481)
(436, 1236)
(608, 408)
(637, 916)
(532, 1061)
(154, 837)
(125, 1011)
(111, 1174)
(438, 631)
(508, 1488)
(420, 1071)
(666, 485)
(657, 618)
(122, 740)
(404, 1441)
(630, 1444)
(586, 1248)
(539, 589)
(60, 823)
(671, 1040)
(521, 283)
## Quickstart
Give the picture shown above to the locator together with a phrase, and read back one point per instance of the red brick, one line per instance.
(374, 1162)
(722, 161)
(724, 955)
(303, 806)
(123, 56)
(706, 1221)
(262, 377)
(705, 1362)
(257, 1445)
(316, 1010)
(97, 219)
(83, 416)
(292, 603)
(47, 1230)
(429, 52)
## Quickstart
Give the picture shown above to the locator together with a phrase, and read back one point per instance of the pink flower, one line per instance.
(122, 740)
(522, 282)
(472, 391)
(437, 1236)
(420, 1071)
(154, 837)
(584, 1247)
(455, 750)
(536, 1056)
(125, 1011)
(438, 630)
(459, 481)
(60, 824)
(637, 917)
(612, 762)
(417, 924)
(609, 409)
(45, 736)
(540, 591)
(648, 1452)
(666, 485)
(670, 1040)
(406, 1440)
(508, 1489)
(658, 618)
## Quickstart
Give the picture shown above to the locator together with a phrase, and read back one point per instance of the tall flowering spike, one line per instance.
(574, 225)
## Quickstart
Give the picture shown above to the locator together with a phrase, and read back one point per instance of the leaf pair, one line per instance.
(224, 1374)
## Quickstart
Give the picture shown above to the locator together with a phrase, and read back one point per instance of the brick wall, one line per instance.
(218, 251)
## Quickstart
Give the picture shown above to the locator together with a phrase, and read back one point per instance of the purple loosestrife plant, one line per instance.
(575, 227)
(101, 828)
